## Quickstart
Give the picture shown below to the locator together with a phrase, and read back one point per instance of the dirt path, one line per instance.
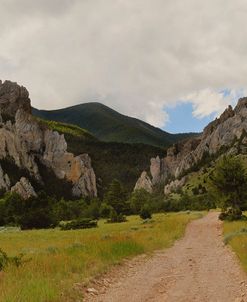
(197, 268)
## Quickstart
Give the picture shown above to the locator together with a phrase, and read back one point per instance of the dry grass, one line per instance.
(59, 259)
(236, 236)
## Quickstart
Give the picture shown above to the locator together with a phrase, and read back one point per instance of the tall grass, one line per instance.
(235, 234)
(62, 259)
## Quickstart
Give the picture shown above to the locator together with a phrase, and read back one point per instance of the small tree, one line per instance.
(229, 186)
(138, 199)
(105, 210)
(145, 212)
(116, 197)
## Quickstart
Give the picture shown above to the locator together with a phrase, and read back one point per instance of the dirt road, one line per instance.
(197, 268)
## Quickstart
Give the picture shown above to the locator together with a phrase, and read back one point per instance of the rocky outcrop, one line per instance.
(12, 98)
(144, 182)
(28, 142)
(24, 188)
(230, 127)
(4, 181)
(173, 186)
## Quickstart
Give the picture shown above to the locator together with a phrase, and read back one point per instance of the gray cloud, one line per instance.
(137, 56)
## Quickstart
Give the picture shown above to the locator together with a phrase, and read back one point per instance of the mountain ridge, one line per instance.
(108, 125)
(225, 135)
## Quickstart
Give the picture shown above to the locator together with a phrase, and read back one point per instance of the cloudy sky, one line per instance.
(175, 64)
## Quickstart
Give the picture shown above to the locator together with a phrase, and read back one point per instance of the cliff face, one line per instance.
(230, 127)
(27, 142)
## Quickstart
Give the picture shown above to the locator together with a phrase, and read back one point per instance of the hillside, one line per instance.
(110, 160)
(108, 125)
(225, 135)
(34, 158)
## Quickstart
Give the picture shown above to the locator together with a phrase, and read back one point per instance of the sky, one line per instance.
(175, 64)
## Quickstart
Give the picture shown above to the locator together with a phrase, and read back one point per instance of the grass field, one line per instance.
(59, 259)
(235, 234)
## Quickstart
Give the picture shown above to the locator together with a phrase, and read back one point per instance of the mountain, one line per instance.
(225, 135)
(110, 160)
(108, 125)
(33, 157)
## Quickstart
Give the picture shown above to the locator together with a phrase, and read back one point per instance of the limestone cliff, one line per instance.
(28, 143)
(226, 132)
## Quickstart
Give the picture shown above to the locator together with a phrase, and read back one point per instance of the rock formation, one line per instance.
(24, 188)
(4, 181)
(174, 185)
(12, 98)
(28, 142)
(144, 182)
(228, 131)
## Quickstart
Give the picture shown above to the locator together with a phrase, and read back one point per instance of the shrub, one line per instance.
(138, 199)
(114, 217)
(232, 214)
(92, 209)
(145, 212)
(5, 260)
(37, 219)
(84, 223)
(105, 210)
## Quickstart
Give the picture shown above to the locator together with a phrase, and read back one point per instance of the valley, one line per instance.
(76, 208)
(197, 268)
(58, 265)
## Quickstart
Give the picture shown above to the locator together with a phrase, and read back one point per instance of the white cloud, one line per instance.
(207, 102)
(135, 56)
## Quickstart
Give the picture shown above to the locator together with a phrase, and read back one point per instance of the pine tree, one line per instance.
(229, 184)
(116, 197)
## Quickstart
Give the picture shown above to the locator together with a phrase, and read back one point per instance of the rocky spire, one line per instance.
(12, 98)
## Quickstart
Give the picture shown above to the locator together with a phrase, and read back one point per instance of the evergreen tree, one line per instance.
(229, 184)
(138, 199)
(116, 197)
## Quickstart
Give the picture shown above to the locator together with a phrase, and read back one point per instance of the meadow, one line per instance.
(58, 260)
(235, 234)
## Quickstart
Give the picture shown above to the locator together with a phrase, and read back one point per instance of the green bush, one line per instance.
(145, 212)
(114, 217)
(105, 210)
(84, 223)
(138, 199)
(5, 260)
(232, 214)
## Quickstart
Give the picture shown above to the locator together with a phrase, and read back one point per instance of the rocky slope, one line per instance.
(29, 144)
(225, 134)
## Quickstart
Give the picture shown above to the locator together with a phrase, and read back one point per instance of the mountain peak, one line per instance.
(108, 125)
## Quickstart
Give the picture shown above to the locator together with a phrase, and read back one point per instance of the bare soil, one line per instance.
(199, 267)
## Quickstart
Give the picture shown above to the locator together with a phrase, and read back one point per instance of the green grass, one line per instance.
(62, 259)
(235, 234)
(68, 129)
